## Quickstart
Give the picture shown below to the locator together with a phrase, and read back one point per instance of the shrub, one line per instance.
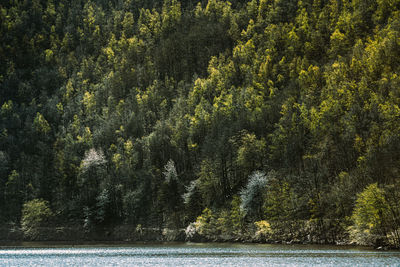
(375, 216)
(205, 223)
(263, 229)
(237, 216)
(35, 213)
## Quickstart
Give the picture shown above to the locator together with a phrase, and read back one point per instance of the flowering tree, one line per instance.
(252, 194)
(92, 158)
(91, 175)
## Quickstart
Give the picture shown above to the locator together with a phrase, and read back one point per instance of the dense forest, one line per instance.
(271, 117)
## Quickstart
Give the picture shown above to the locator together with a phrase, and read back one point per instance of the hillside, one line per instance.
(278, 118)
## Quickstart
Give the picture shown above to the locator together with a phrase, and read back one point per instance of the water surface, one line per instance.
(191, 254)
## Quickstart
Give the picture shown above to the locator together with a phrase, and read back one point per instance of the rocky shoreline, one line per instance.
(129, 233)
(123, 233)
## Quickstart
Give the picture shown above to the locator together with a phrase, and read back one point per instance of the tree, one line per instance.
(170, 195)
(97, 96)
(91, 181)
(376, 220)
(35, 214)
(252, 196)
(251, 153)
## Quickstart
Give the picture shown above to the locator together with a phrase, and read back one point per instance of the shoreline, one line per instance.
(128, 244)
(128, 234)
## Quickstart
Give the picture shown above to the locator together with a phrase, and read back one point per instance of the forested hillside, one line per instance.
(271, 116)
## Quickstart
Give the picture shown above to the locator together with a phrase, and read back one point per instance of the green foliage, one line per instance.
(40, 124)
(206, 223)
(279, 204)
(375, 216)
(209, 182)
(35, 214)
(251, 152)
(96, 97)
(170, 196)
(237, 216)
(135, 205)
(370, 208)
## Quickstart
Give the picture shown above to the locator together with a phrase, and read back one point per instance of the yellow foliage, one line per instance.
(117, 160)
(76, 124)
(7, 106)
(41, 124)
(89, 101)
(60, 108)
(69, 90)
(87, 136)
(128, 146)
(263, 228)
(109, 53)
(48, 55)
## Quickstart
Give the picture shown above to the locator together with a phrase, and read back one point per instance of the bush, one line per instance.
(35, 214)
(263, 229)
(252, 195)
(206, 223)
(375, 217)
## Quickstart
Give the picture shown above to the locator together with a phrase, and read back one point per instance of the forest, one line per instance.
(273, 118)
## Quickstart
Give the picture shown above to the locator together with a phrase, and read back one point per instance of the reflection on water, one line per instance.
(194, 255)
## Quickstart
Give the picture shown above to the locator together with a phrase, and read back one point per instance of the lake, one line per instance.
(193, 254)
